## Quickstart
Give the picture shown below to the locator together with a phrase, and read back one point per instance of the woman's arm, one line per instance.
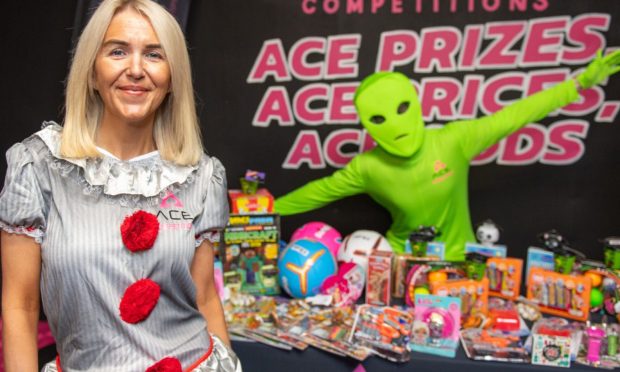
(207, 298)
(21, 271)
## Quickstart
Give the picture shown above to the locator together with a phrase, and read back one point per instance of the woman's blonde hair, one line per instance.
(176, 130)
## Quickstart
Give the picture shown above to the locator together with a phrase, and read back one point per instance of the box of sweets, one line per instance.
(249, 253)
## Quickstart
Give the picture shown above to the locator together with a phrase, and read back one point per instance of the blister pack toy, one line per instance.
(422, 276)
(551, 348)
(401, 266)
(605, 289)
(474, 295)
(559, 294)
(346, 286)
(386, 330)
(504, 277)
(559, 326)
(379, 278)
(599, 346)
(489, 345)
(436, 325)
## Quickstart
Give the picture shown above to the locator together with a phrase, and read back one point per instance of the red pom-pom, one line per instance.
(139, 300)
(139, 231)
(166, 365)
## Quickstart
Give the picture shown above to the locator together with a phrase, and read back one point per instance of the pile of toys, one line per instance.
(355, 297)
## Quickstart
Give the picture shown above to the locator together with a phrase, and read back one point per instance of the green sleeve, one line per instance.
(477, 135)
(342, 183)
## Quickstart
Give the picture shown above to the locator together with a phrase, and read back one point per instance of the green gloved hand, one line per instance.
(599, 69)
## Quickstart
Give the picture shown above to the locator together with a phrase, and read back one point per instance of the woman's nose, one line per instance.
(136, 67)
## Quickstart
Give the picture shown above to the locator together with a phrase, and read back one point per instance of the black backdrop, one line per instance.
(580, 199)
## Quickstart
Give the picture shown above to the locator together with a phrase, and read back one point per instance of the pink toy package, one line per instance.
(436, 324)
(346, 286)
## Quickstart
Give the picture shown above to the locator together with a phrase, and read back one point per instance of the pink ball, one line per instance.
(321, 232)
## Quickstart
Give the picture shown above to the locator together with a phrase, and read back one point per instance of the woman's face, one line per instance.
(132, 74)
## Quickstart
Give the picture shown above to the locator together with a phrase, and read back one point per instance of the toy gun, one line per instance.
(564, 255)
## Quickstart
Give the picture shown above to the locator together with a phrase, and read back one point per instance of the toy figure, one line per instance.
(418, 174)
(435, 325)
(252, 264)
(487, 233)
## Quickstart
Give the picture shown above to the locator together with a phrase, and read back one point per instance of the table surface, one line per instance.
(258, 357)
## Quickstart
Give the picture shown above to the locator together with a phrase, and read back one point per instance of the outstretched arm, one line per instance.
(478, 134)
(344, 182)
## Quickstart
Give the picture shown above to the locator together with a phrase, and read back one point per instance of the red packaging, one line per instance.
(378, 278)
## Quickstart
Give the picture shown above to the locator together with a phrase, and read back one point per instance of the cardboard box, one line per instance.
(378, 278)
(249, 253)
(261, 202)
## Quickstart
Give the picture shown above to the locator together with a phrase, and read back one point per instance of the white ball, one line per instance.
(358, 246)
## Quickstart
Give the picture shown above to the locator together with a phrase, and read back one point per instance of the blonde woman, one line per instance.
(111, 217)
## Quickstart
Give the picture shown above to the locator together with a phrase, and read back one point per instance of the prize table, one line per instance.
(256, 357)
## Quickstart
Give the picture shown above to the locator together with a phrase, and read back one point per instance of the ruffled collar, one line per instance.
(147, 176)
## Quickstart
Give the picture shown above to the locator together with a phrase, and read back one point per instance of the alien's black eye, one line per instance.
(403, 107)
(377, 119)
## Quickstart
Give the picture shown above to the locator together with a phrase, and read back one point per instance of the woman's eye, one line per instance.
(154, 55)
(117, 52)
(403, 107)
(377, 119)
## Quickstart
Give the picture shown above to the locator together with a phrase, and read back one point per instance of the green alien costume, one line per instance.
(418, 174)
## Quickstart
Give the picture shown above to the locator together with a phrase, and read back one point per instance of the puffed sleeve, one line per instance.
(214, 215)
(23, 208)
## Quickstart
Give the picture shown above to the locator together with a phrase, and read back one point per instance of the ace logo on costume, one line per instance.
(172, 213)
(440, 171)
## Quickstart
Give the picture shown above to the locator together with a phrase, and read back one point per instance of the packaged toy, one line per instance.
(379, 275)
(346, 286)
(474, 295)
(599, 346)
(257, 203)
(436, 325)
(386, 330)
(551, 348)
(491, 345)
(504, 277)
(559, 294)
(249, 253)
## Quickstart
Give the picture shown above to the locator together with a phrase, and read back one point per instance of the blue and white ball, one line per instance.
(303, 266)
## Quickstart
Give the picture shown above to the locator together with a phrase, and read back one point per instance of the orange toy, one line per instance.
(474, 295)
(504, 277)
(558, 294)
(437, 277)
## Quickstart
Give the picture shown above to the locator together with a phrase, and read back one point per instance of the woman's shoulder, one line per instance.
(35, 148)
(211, 162)
(210, 167)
